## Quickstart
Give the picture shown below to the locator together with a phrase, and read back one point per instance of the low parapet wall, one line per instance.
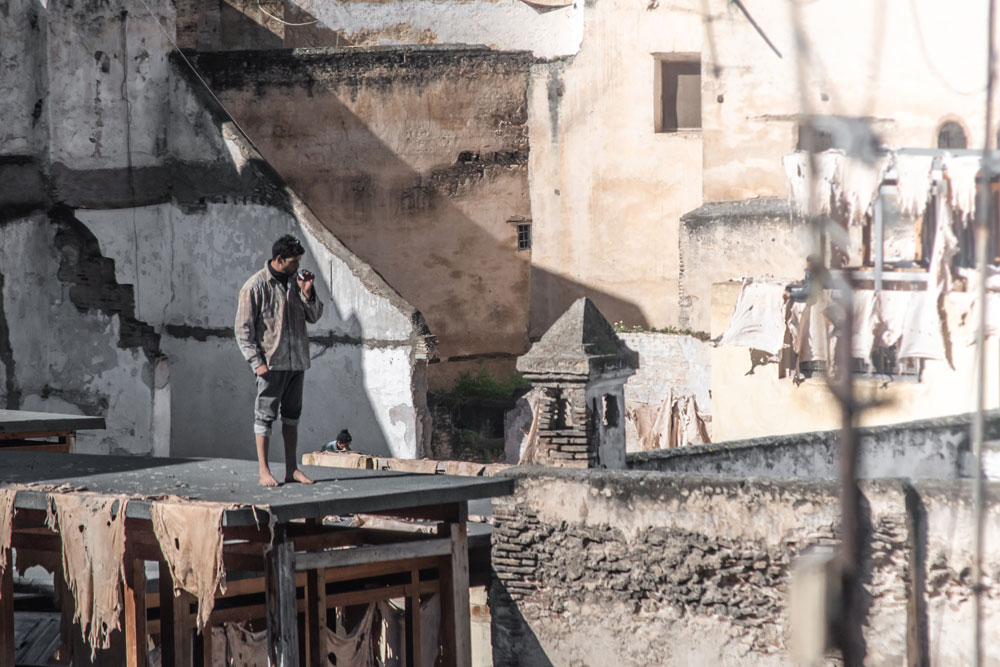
(928, 449)
(640, 568)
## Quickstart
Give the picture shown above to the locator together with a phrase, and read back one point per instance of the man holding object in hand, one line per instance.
(274, 306)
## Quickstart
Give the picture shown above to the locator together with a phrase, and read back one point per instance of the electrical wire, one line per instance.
(200, 78)
(267, 13)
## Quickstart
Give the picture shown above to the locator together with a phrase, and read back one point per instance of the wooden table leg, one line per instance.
(414, 636)
(175, 625)
(206, 646)
(135, 611)
(315, 617)
(282, 613)
(7, 610)
(456, 633)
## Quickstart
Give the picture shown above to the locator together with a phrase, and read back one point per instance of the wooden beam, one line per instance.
(400, 551)
(135, 611)
(282, 627)
(7, 610)
(414, 633)
(443, 512)
(34, 434)
(316, 606)
(455, 628)
(175, 624)
(378, 569)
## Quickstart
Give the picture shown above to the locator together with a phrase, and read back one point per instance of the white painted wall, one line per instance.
(507, 25)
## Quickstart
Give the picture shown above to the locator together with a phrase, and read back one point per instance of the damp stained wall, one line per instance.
(132, 211)
(417, 160)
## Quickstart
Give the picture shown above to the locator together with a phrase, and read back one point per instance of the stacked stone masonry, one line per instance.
(596, 568)
(565, 431)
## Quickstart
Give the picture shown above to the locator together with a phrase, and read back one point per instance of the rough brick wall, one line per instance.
(566, 437)
(602, 568)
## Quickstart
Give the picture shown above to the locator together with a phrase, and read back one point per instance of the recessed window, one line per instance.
(951, 135)
(524, 236)
(677, 98)
(610, 411)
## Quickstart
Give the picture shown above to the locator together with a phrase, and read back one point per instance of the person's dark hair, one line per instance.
(287, 246)
(344, 436)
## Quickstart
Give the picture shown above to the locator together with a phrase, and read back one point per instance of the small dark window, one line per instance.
(680, 95)
(951, 135)
(524, 236)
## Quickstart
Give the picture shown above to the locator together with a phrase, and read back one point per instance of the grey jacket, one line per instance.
(271, 322)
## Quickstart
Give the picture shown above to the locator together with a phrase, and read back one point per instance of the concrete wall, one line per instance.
(667, 363)
(416, 159)
(607, 191)
(510, 25)
(908, 66)
(128, 227)
(601, 568)
(929, 449)
(745, 405)
(720, 242)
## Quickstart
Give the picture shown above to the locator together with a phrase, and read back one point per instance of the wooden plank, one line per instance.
(316, 606)
(66, 606)
(15, 421)
(204, 646)
(282, 630)
(32, 446)
(414, 633)
(24, 435)
(400, 551)
(7, 610)
(455, 625)
(175, 624)
(135, 611)
(379, 569)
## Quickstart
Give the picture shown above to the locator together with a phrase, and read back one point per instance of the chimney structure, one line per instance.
(579, 368)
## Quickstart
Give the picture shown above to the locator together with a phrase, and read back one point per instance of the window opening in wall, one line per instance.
(524, 236)
(951, 135)
(610, 410)
(677, 99)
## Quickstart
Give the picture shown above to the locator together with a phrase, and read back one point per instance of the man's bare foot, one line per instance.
(298, 476)
(267, 479)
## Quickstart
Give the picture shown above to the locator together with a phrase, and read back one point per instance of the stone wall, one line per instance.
(143, 211)
(930, 449)
(601, 568)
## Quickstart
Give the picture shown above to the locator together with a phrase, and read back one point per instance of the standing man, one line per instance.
(274, 306)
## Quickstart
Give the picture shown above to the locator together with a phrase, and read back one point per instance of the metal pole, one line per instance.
(982, 238)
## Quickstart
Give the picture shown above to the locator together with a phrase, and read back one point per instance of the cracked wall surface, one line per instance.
(139, 212)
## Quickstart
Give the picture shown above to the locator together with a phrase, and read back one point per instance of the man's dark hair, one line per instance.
(287, 246)
(344, 436)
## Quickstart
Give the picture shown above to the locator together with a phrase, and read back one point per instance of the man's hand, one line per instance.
(306, 286)
(260, 370)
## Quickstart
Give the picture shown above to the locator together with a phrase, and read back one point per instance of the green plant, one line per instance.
(484, 384)
(621, 327)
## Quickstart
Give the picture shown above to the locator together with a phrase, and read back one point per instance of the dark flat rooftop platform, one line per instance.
(339, 491)
(19, 421)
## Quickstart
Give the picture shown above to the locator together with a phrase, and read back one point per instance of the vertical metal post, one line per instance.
(878, 236)
(983, 219)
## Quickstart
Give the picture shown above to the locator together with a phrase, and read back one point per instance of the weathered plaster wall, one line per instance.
(930, 449)
(507, 25)
(140, 217)
(601, 568)
(744, 405)
(720, 242)
(906, 65)
(607, 191)
(416, 159)
(667, 363)
(66, 340)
